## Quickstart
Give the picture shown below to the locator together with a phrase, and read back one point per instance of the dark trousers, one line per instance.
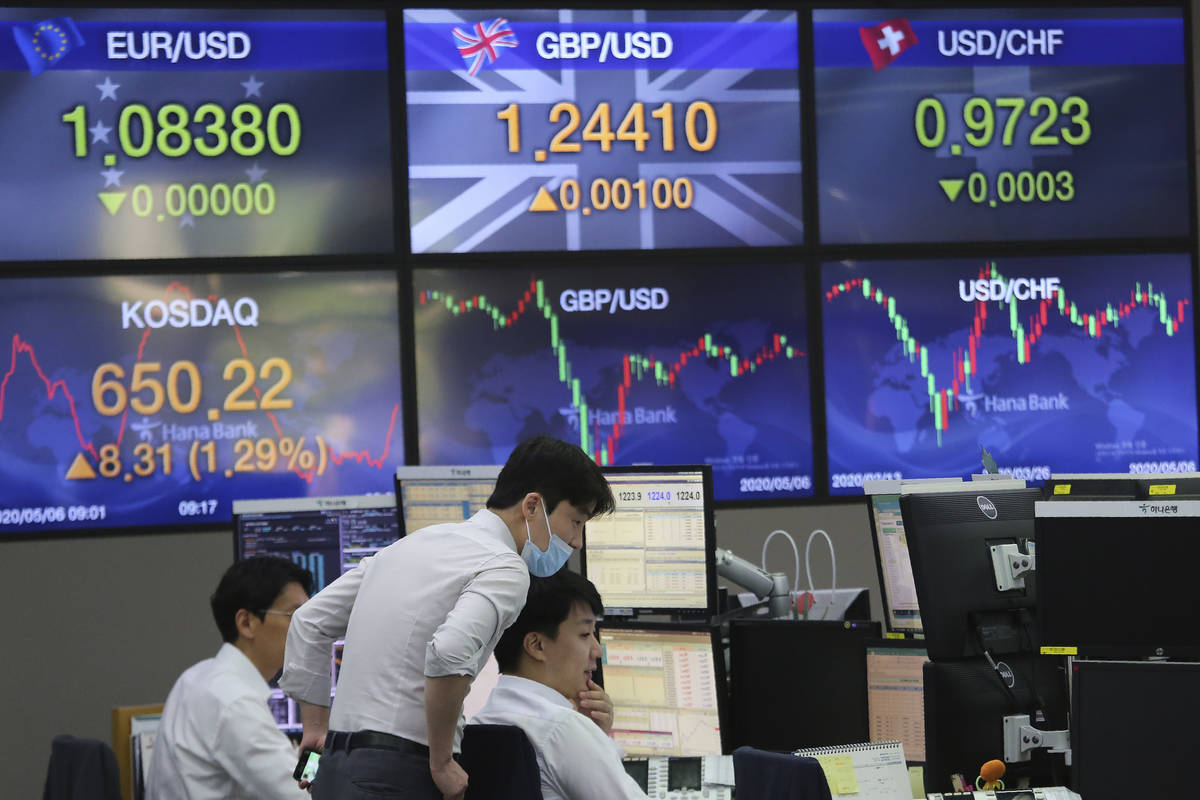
(369, 773)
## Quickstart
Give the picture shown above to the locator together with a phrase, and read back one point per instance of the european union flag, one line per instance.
(45, 43)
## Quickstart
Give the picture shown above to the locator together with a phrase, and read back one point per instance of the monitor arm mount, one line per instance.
(771, 587)
(1010, 565)
(1021, 738)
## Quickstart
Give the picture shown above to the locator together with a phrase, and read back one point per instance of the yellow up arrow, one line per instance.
(542, 201)
(80, 470)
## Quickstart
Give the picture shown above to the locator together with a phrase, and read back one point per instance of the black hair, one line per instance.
(557, 471)
(253, 584)
(547, 606)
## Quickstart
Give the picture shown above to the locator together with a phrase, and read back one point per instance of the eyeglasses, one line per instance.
(287, 614)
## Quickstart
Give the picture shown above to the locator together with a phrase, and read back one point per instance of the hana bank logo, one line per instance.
(482, 42)
(887, 40)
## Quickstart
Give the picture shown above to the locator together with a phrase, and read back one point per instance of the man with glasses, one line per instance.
(217, 739)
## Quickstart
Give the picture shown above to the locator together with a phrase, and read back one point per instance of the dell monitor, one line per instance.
(1133, 729)
(798, 683)
(896, 695)
(951, 537)
(966, 701)
(667, 682)
(432, 495)
(325, 535)
(656, 553)
(1175, 486)
(1116, 579)
(902, 612)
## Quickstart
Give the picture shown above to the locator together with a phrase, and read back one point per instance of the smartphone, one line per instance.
(306, 767)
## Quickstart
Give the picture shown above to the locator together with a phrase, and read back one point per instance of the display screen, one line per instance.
(150, 133)
(694, 364)
(581, 129)
(1082, 364)
(942, 125)
(157, 400)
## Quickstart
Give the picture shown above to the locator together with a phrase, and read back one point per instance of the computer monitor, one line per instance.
(431, 495)
(667, 682)
(965, 704)
(1116, 579)
(1133, 729)
(798, 683)
(896, 695)
(950, 539)
(902, 612)
(656, 553)
(325, 535)
(1091, 486)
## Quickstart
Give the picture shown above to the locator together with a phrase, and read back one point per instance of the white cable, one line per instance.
(795, 552)
(832, 563)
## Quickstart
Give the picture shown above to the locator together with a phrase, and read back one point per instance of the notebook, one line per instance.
(868, 771)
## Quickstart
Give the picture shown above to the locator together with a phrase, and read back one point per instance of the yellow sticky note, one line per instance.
(1162, 488)
(839, 773)
(893, 635)
(916, 781)
(1048, 650)
(1062, 488)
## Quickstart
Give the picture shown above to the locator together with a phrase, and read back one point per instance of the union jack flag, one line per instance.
(484, 42)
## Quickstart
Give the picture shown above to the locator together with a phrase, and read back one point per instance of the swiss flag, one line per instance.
(887, 40)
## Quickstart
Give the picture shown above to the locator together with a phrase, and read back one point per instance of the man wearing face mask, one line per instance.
(420, 619)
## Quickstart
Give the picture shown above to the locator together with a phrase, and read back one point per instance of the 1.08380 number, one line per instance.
(138, 135)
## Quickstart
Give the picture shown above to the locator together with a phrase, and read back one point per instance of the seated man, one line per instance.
(217, 738)
(546, 663)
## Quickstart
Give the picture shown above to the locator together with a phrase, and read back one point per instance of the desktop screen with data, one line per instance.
(433, 495)
(895, 568)
(896, 697)
(325, 535)
(653, 551)
(664, 684)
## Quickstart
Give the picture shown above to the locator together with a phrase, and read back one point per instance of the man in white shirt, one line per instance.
(218, 739)
(420, 618)
(546, 660)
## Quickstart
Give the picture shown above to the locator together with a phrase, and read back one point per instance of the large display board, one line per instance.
(157, 400)
(151, 133)
(943, 125)
(581, 129)
(1063, 364)
(670, 364)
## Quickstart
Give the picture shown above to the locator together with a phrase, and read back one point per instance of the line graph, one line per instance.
(1025, 331)
(634, 366)
(304, 394)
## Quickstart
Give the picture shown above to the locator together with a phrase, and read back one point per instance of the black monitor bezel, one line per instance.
(710, 546)
(718, 653)
(928, 580)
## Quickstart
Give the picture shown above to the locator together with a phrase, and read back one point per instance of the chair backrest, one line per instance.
(500, 763)
(763, 775)
(81, 769)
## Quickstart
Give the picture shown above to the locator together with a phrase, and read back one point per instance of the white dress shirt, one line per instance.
(432, 604)
(578, 761)
(217, 739)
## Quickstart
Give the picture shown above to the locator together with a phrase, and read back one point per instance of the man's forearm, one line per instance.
(315, 720)
(443, 706)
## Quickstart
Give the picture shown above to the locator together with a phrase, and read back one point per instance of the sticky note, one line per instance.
(839, 773)
(916, 781)
(1062, 488)
(1059, 651)
(1162, 488)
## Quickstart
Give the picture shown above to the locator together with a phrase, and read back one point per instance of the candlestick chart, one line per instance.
(1068, 364)
(704, 365)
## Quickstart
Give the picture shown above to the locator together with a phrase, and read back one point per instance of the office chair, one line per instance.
(500, 764)
(81, 769)
(763, 775)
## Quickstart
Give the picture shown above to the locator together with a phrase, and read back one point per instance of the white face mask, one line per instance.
(544, 563)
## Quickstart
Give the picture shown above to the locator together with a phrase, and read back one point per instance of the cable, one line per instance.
(795, 552)
(832, 564)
